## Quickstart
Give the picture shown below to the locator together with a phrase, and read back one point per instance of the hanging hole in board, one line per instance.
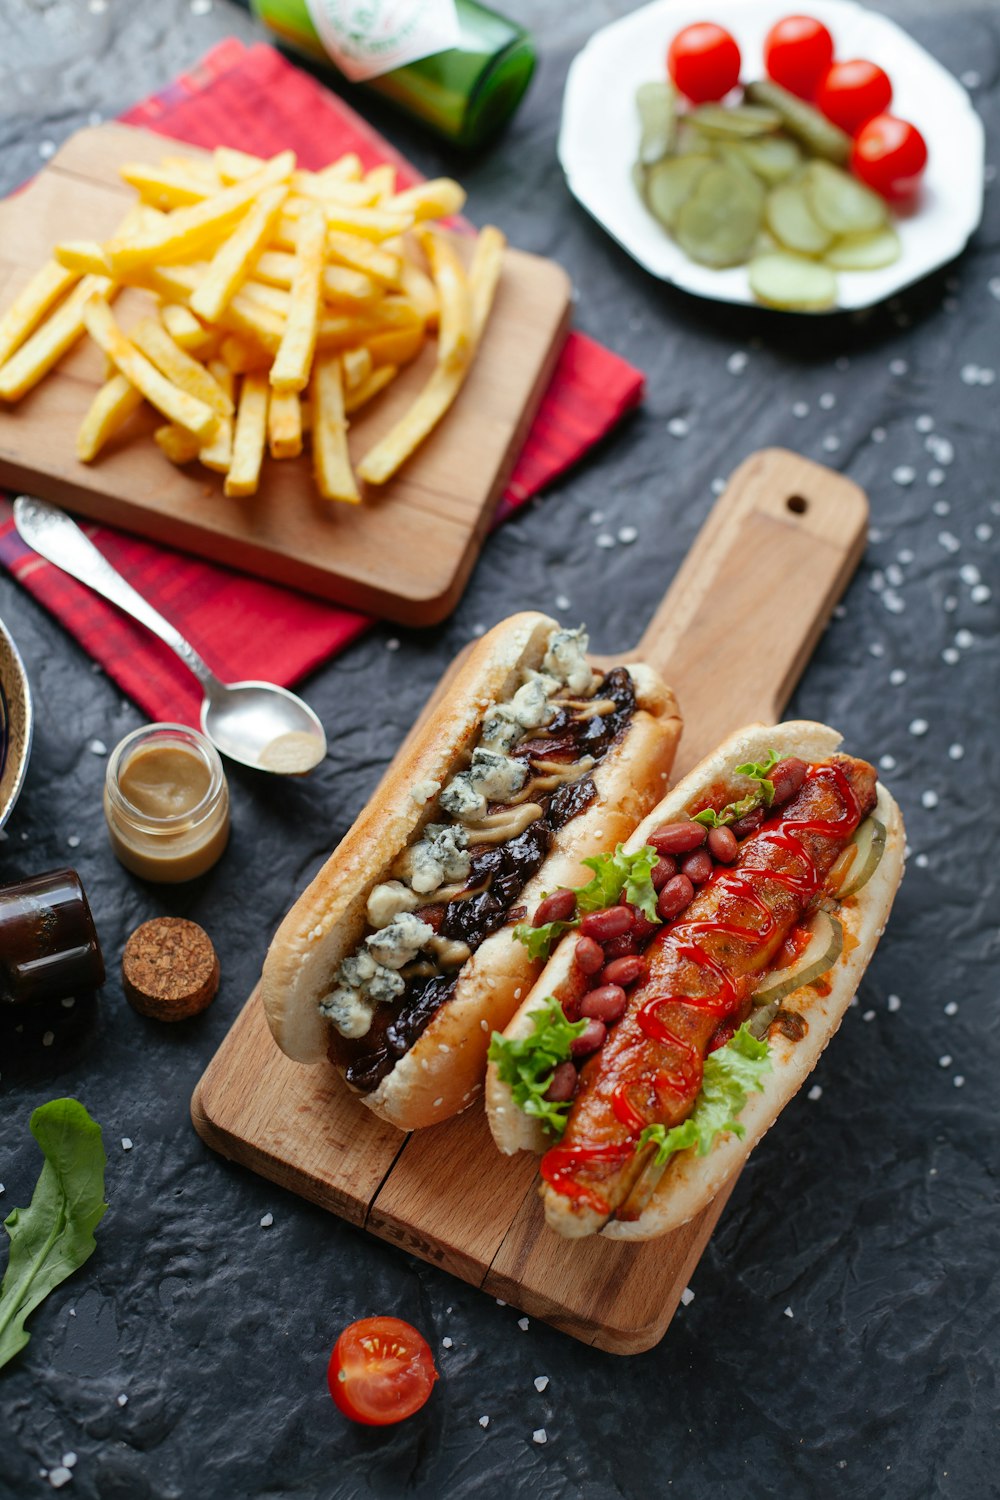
(797, 504)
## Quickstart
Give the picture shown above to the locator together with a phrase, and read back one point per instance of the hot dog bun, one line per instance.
(690, 1182)
(442, 1072)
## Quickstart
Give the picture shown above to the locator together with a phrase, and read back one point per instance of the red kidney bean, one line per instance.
(558, 907)
(624, 971)
(677, 838)
(723, 845)
(787, 778)
(675, 896)
(749, 823)
(588, 1041)
(607, 1003)
(621, 947)
(603, 925)
(697, 866)
(665, 869)
(563, 1085)
(589, 955)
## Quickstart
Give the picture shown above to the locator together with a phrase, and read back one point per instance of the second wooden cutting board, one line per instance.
(732, 637)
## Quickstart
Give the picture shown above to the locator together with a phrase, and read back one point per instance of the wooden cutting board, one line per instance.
(732, 637)
(406, 552)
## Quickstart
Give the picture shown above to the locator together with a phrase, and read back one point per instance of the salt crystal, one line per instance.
(876, 649)
(950, 656)
(905, 555)
(59, 1476)
(951, 1009)
(539, 1435)
(48, 1038)
(969, 375)
(789, 1313)
(940, 449)
(874, 535)
(718, 485)
(562, 602)
(956, 751)
(541, 1381)
(815, 1093)
(898, 367)
(47, 149)
(969, 573)
(123, 1399)
(627, 534)
(935, 477)
(945, 1061)
(267, 1221)
(971, 78)
(522, 1323)
(687, 1296)
(447, 1343)
(604, 539)
(827, 401)
(678, 428)
(69, 1460)
(949, 541)
(921, 861)
(958, 1081)
(918, 726)
(924, 423)
(484, 1422)
(97, 747)
(737, 363)
(894, 575)
(878, 434)
(893, 1003)
(964, 638)
(801, 408)
(980, 594)
(200, 7)
(903, 474)
(897, 676)
(929, 799)
(888, 762)
(877, 581)
(126, 1143)
(893, 603)
(392, 644)
(869, 1015)
(993, 287)
(983, 531)
(73, 841)
(596, 517)
(831, 443)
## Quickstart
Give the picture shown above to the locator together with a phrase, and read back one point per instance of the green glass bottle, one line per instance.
(465, 92)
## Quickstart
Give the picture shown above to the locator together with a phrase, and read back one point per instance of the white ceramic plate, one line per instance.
(599, 138)
(15, 724)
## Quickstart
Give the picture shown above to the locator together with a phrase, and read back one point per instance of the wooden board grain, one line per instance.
(732, 635)
(406, 552)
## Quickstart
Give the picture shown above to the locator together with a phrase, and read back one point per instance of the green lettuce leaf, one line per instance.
(53, 1237)
(618, 872)
(731, 1074)
(539, 941)
(528, 1064)
(762, 797)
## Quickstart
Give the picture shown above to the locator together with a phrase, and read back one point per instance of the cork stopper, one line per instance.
(169, 969)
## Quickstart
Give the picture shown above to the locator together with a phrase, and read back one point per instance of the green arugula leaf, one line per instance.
(618, 872)
(539, 940)
(731, 1074)
(528, 1064)
(763, 797)
(53, 1237)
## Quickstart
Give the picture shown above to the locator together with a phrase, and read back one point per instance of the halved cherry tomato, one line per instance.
(889, 155)
(381, 1371)
(850, 93)
(704, 62)
(797, 53)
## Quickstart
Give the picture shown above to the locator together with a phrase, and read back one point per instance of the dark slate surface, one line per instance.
(843, 1336)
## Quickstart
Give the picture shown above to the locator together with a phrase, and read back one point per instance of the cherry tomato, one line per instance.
(704, 62)
(797, 53)
(851, 93)
(889, 155)
(381, 1371)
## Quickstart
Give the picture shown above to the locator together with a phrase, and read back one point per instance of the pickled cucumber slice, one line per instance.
(740, 123)
(790, 219)
(718, 225)
(825, 945)
(772, 157)
(860, 859)
(865, 252)
(656, 103)
(841, 202)
(670, 183)
(806, 124)
(792, 282)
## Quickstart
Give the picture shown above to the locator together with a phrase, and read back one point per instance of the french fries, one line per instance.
(280, 301)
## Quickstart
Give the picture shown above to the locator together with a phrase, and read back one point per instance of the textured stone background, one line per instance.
(843, 1336)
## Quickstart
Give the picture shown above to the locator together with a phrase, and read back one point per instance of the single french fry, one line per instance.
(166, 187)
(248, 436)
(356, 365)
(240, 354)
(369, 388)
(179, 445)
(218, 453)
(275, 298)
(50, 340)
(176, 283)
(383, 179)
(347, 167)
(373, 224)
(293, 361)
(184, 328)
(32, 303)
(395, 447)
(420, 290)
(186, 373)
(331, 462)
(341, 286)
(455, 301)
(195, 166)
(178, 406)
(235, 166)
(284, 425)
(333, 189)
(234, 258)
(437, 199)
(359, 255)
(484, 274)
(395, 346)
(116, 400)
(255, 322)
(84, 257)
(339, 330)
(188, 230)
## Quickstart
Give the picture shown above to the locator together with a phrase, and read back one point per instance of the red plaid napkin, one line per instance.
(253, 99)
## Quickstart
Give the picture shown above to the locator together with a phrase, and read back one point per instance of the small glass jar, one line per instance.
(49, 948)
(166, 802)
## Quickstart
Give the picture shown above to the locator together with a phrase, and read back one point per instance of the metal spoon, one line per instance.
(255, 723)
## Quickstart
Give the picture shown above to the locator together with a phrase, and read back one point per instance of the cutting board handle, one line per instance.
(744, 612)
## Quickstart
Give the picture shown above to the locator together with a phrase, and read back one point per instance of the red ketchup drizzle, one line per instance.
(560, 1163)
(783, 833)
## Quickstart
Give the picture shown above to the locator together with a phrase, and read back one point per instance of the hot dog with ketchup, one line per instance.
(676, 1019)
(399, 959)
